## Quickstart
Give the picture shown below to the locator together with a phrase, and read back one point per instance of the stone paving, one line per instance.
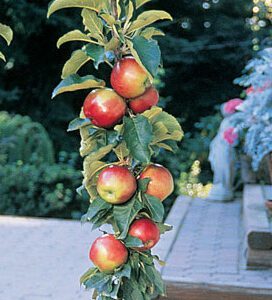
(208, 249)
(43, 259)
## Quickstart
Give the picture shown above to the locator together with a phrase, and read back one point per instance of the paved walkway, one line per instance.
(43, 259)
(208, 249)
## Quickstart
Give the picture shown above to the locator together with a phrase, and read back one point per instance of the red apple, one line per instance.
(161, 183)
(128, 78)
(107, 253)
(116, 184)
(146, 101)
(104, 107)
(147, 231)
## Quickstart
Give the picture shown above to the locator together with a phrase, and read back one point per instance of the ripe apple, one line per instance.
(107, 253)
(161, 183)
(146, 101)
(147, 231)
(104, 107)
(128, 78)
(116, 184)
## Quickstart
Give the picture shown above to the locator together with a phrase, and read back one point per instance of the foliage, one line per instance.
(42, 191)
(190, 185)
(256, 111)
(190, 50)
(112, 30)
(24, 140)
(7, 34)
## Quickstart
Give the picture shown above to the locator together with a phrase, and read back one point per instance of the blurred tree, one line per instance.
(208, 45)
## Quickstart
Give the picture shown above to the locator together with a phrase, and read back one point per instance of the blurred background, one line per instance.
(206, 47)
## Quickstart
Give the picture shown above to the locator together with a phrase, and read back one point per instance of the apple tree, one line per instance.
(121, 129)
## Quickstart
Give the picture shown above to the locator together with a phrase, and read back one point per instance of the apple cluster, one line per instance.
(132, 92)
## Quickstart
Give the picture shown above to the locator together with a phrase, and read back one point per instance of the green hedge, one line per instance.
(43, 191)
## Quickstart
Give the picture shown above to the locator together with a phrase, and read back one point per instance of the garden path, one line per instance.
(43, 259)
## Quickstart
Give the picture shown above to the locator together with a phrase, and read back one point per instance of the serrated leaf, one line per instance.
(2, 56)
(151, 113)
(143, 184)
(148, 17)
(138, 135)
(164, 227)
(74, 83)
(155, 207)
(155, 277)
(74, 35)
(93, 24)
(124, 272)
(75, 62)
(121, 150)
(129, 14)
(149, 32)
(97, 54)
(97, 281)
(100, 153)
(96, 207)
(139, 3)
(132, 242)
(147, 53)
(87, 275)
(77, 124)
(131, 290)
(109, 19)
(112, 44)
(125, 213)
(6, 33)
(96, 5)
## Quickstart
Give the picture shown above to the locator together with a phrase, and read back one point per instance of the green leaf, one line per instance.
(98, 205)
(132, 242)
(77, 124)
(148, 17)
(138, 135)
(164, 227)
(75, 62)
(6, 33)
(147, 53)
(131, 290)
(93, 24)
(97, 281)
(139, 3)
(74, 82)
(97, 54)
(129, 14)
(88, 274)
(2, 56)
(143, 184)
(74, 35)
(149, 32)
(125, 213)
(124, 272)
(96, 5)
(155, 207)
(155, 277)
(109, 19)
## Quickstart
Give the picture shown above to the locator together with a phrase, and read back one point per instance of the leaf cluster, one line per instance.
(109, 33)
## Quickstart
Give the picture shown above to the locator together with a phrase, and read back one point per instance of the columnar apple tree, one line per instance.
(121, 129)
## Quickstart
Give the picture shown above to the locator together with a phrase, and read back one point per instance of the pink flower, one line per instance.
(231, 106)
(230, 135)
(250, 90)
